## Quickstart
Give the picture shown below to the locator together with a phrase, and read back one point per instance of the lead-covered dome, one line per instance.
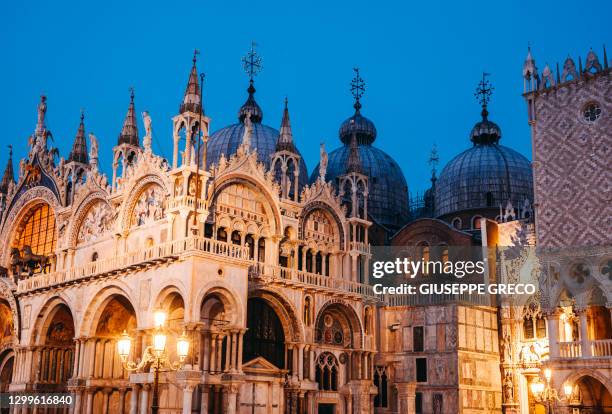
(485, 176)
(387, 188)
(388, 191)
(263, 139)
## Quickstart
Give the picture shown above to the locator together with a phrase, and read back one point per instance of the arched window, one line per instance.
(261, 250)
(94, 257)
(476, 222)
(222, 234)
(265, 336)
(37, 230)
(327, 372)
(457, 223)
(236, 239)
(250, 241)
(380, 382)
(307, 311)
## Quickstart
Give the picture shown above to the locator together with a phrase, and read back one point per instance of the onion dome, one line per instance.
(359, 125)
(79, 147)
(387, 187)
(9, 175)
(485, 176)
(129, 131)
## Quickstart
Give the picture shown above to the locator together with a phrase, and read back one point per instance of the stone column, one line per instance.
(406, 397)
(122, 392)
(552, 321)
(240, 343)
(585, 343)
(234, 364)
(300, 349)
(219, 353)
(92, 356)
(144, 399)
(90, 400)
(212, 357)
(232, 390)
(134, 399)
(187, 397)
(76, 407)
(204, 400)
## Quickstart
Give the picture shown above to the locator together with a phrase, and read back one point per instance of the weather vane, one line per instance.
(484, 90)
(252, 62)
(357, 85)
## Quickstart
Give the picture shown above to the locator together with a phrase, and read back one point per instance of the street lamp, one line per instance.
(546, 394)
(155, 355)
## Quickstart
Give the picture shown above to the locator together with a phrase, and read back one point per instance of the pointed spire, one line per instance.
(129, 131)
(579, 66)
(79, 147)
(8, 176)
(353, 164)
(605, 57)
(558, 75)
(192, 100)
(285, 138)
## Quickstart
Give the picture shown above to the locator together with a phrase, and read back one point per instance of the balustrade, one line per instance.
(312, 279)
(156, 253)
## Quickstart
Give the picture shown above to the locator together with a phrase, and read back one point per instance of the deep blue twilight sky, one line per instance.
(421, 62)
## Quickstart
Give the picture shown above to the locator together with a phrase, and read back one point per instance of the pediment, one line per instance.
(260, 365)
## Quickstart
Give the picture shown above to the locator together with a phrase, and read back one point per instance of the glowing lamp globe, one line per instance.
(537, 387)
(568, 389)
(124, 344)
(182, 346)
(159, 343)
(159, 317)
(548, 374)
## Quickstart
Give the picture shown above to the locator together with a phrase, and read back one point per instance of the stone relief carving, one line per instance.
(98, 220)
(149, 206)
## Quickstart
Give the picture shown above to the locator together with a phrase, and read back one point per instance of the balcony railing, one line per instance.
(599, 348)
(156, 254)
(186, 201)
(570, 349)
(361, 247)
(287, 275)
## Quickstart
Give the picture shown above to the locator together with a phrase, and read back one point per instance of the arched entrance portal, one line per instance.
(115, 316)
(265, 337)
(592, 396)
(56, 355)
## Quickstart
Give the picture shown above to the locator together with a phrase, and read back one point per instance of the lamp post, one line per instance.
(155, 355)
(544, 393)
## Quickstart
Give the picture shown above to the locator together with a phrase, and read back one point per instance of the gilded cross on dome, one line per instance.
(357, 88)
(484, 90)
(252, 62)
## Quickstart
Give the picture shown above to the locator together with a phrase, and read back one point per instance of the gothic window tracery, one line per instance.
(380, 382)
(591, 112)
(330, 330)
(327, 372)
(534, 323)
(241, 201)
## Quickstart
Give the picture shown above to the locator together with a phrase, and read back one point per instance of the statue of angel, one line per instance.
(323, 162)
(146, 143)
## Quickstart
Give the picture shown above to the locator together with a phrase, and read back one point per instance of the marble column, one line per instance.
(134, 399)
(585, 343)
(187, 398)
(144, 399)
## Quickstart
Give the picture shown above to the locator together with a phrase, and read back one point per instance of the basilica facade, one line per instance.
(264, 269)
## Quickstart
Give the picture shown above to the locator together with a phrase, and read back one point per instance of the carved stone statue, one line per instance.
(323, 162)
(248, 131)
(148, 138)
(508, 388)
(93, 152)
